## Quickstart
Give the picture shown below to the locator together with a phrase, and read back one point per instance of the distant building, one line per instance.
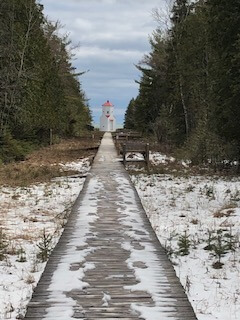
(107, 120)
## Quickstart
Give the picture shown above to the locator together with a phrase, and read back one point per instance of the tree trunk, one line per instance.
(185, 111)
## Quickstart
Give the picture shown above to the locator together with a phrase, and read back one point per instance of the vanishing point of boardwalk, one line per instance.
(108, 263)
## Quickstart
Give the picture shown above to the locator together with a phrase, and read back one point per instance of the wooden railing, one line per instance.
(121, 137)
(133, 147)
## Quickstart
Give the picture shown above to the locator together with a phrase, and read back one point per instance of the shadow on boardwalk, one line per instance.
(108, 263)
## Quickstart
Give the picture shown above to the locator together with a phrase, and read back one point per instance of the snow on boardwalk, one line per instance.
(108, 263)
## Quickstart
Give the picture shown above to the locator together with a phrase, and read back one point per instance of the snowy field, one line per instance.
(197, 220)
(195, 217)
(25, 215)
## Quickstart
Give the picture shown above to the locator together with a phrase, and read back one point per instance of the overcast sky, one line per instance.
(113, 36)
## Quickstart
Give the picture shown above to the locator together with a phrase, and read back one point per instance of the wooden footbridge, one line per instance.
(108, 263)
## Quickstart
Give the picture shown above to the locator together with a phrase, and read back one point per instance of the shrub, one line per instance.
(45, 247)
(184, 244)
(210, 241)
(219, 250)
(3, 245)
(21, 255)
(12, 149)
(204, 147)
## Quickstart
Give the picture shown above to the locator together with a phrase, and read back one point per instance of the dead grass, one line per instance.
(225, 211)
(65, 151)
(43, 165)
(25, 173)
(12, 250)
(29, 235)
(30, 279)
(195, 221)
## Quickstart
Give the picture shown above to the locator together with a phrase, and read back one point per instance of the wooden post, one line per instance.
(124, 153)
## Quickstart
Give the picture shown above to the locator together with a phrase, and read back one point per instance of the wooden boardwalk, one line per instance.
(108, 263)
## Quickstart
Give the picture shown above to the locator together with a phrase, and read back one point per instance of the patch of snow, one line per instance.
(106, 298)
(153, 313)
(159, 158)
(185, 163)
(64, 278)
(25, 213)
(81, 166)
(134, 156)
(149, 273)
(199, 206)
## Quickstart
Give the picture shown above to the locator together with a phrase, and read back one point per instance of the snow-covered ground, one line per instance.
(25, 214)
(190, 213)
(198, 210)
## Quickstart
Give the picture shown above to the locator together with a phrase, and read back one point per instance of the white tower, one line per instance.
(107, 120)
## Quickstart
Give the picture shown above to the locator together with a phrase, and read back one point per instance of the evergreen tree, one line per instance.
(180, 12)
(152, 85)
(129, 122)
(224, 34)
(39, 88)
(76, 115)
(189, 88)
(29, 99)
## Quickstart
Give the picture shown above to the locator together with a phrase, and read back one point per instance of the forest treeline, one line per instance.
(39, 87)
(189, 90)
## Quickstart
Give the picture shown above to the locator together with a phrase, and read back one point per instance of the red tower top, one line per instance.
(107, 104)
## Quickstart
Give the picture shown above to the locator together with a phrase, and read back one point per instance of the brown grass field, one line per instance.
(43, 165)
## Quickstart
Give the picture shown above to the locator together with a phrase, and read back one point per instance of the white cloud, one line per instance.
(83, 25)
(108, 54)
(113, 36)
